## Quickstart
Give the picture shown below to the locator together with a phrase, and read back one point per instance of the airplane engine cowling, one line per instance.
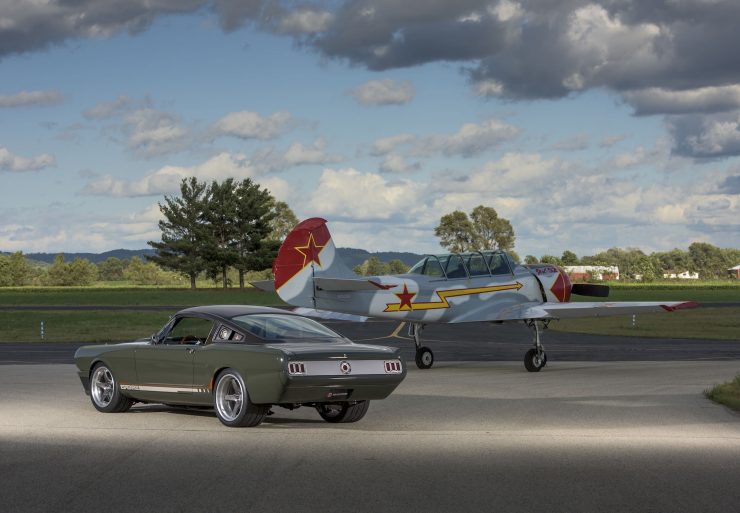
(555, 282)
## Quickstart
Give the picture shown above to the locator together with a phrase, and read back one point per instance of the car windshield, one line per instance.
(278, 327)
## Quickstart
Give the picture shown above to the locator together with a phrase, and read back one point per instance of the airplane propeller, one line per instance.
(589, 289)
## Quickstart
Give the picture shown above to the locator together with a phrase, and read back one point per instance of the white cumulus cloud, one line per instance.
(11, 162)
(384, 92)
(25, 98)
(252, 125)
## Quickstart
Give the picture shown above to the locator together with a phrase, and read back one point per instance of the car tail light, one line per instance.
(393, 367)
(296, 368)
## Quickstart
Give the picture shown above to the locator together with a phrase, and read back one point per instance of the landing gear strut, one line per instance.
(536, 358)
(424, 355)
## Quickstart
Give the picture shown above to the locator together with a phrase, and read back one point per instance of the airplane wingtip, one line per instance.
(680, 306)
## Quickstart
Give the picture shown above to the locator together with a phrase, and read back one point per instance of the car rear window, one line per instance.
(280, 327)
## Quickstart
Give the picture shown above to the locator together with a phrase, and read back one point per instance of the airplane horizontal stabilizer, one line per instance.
(349, 284)
(266, 285)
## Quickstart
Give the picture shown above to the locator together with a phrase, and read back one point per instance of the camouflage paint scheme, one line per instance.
(481, 286)
(184, 374)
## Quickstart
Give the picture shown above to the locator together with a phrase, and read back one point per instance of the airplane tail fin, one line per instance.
(308, 252)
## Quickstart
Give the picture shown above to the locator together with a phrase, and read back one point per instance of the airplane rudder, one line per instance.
(300, 249)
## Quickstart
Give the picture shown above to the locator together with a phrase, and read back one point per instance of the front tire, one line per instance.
(232, 404)
(343, 412)
(533, 361)
(105, 393)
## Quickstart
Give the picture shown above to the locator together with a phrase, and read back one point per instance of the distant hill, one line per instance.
(92, 257)
(351, 256)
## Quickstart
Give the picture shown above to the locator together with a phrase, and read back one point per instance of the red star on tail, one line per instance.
(310, 251)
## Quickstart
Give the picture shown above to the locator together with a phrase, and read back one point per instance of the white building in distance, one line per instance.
(592, 272)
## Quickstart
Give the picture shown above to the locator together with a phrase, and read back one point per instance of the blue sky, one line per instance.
(588, 126)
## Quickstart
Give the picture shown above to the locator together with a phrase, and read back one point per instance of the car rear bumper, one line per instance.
(310, 389)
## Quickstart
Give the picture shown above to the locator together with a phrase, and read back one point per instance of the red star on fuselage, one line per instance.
(405, 298)
(310, 251)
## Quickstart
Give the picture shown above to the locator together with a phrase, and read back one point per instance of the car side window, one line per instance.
(189, 330)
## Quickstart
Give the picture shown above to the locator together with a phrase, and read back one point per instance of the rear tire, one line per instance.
(343, 412)
(232, 404)
(105, 393)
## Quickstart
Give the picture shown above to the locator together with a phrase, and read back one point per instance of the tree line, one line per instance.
(710, 262)
(17, 271)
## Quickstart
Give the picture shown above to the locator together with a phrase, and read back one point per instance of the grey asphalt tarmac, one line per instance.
(464, 436)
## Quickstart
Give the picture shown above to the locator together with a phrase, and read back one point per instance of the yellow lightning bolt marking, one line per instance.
(443, 295)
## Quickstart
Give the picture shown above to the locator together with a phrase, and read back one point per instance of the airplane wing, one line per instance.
(328, 315)
(602, 309)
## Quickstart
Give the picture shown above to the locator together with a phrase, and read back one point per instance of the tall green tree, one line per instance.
(220, 242)
(15, 271)
(491, 231)
(569, 258)
(455, 232)
(283, 221)
(708, 260)
(484, 229)
(255, 215)
(184, 230)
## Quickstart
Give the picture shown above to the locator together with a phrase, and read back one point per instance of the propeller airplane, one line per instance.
(480, 286)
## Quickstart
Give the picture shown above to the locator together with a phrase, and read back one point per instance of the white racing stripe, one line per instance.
(165, 388)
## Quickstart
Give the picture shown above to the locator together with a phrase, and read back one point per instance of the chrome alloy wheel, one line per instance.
(102, 386)
(229, 397)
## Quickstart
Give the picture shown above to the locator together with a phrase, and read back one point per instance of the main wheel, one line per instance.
(105, 393)
(232, 404)
(343, 412)
(424, 358)
(533, 362)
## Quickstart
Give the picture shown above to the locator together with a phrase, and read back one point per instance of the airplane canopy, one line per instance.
(465, 265)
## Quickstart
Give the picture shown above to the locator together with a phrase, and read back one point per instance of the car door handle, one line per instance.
(190, 350)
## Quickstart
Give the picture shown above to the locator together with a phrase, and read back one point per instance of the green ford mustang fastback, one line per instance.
(242, 360)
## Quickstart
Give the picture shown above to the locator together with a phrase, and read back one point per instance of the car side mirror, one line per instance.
(153, 338)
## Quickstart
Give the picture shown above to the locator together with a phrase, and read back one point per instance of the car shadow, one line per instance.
(277, 419)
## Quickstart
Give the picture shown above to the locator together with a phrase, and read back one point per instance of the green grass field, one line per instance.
(142, 296)
(726, 393)
(721, 323)
(79, 326)
(703, 292)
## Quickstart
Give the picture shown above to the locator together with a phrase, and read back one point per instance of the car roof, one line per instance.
(229, 311)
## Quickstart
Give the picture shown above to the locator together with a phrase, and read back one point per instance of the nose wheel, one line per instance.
(536, 358)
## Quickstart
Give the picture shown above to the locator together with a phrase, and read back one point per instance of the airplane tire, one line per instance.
(532, 362)
(424, 358)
